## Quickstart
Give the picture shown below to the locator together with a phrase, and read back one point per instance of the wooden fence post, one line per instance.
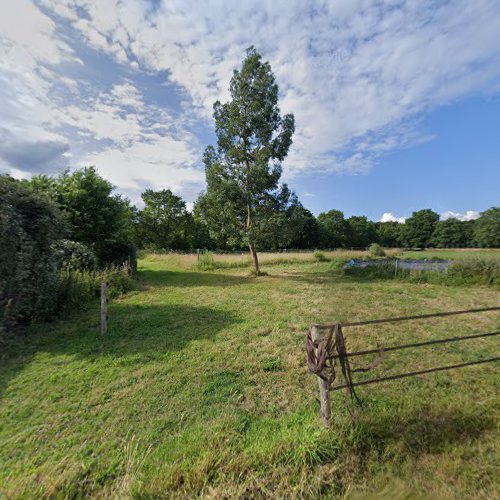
(324, 386)
(104, 308)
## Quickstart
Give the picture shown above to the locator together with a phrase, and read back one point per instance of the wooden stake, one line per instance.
(324, 386)
(104, 308)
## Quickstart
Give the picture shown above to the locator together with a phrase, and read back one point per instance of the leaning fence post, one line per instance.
(104, 308)
(324, 385)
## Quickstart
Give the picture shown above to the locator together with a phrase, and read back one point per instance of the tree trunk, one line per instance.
(255, 259)
(251, 244)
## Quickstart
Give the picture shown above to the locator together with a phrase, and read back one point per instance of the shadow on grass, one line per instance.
(161, 279)
(418, 433)
(142, 331)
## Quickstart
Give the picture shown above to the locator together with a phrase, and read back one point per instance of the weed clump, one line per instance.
(271, 365)
(375, 250)
(320, 256)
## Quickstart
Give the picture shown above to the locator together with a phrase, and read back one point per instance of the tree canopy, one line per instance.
(243, 200)
(487, 228)
(96, 217)
(419, 228)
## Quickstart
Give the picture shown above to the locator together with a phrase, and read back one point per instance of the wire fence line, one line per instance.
(327, 356)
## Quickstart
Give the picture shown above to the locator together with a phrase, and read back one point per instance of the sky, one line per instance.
(396, 102)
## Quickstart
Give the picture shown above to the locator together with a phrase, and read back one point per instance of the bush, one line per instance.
(74, 256)
(320, 256)
(116, 253)
(206, 261)
(484, 271)
(29, 226)
(376, 250)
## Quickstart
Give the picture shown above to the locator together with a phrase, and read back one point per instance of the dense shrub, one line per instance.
(320, 256)
(29, 225)
(74, 256)
(116, 253)
(376, 250)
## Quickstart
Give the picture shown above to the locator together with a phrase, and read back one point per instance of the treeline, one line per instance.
(53, 230)
(166, 224)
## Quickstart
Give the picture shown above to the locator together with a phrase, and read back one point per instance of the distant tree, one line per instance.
(96, 217)
(164, 222)
(361, 231)
(304, 229)
(418, 229)
(451, 233)
(487, 228)
(333, 229)
(389, 233)
(244, 171)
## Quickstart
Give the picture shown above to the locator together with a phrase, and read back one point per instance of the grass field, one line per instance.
(201, 389)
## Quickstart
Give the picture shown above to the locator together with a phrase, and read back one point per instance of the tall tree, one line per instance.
(304, 230)
(389, 233)
(244, 171)
(97, 217)
(418, 229)
(333, 229)
(451, 233)
(362, 231)
(164, 222)
(487, 228)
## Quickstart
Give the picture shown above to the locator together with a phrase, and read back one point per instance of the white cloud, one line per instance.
(388, 217)
(354, 72)
(131, 143)
(466, 216)
(148, 148)
(29, 46)
(357, 74)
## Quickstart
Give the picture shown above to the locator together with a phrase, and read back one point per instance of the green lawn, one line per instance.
(201, 389)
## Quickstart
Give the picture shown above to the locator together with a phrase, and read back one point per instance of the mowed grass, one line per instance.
(201, 389)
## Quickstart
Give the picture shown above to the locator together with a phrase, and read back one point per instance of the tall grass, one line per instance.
(212, 260)
(479, 271)
(78, 289)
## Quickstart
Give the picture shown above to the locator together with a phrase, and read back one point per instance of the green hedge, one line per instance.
(29, 225)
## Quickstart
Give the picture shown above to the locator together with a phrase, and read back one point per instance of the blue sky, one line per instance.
(397, 102)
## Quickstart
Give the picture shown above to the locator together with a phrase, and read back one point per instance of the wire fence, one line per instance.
(327, 355)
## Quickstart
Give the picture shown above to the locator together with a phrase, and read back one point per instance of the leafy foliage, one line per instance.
(452, 233)
(164, 223)
(96, 217)
(361, 231)
(243, 201)
(389, 233)
(30, 223)
(419, 228)
(487, 228)
(375, 250)
(74, 256)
